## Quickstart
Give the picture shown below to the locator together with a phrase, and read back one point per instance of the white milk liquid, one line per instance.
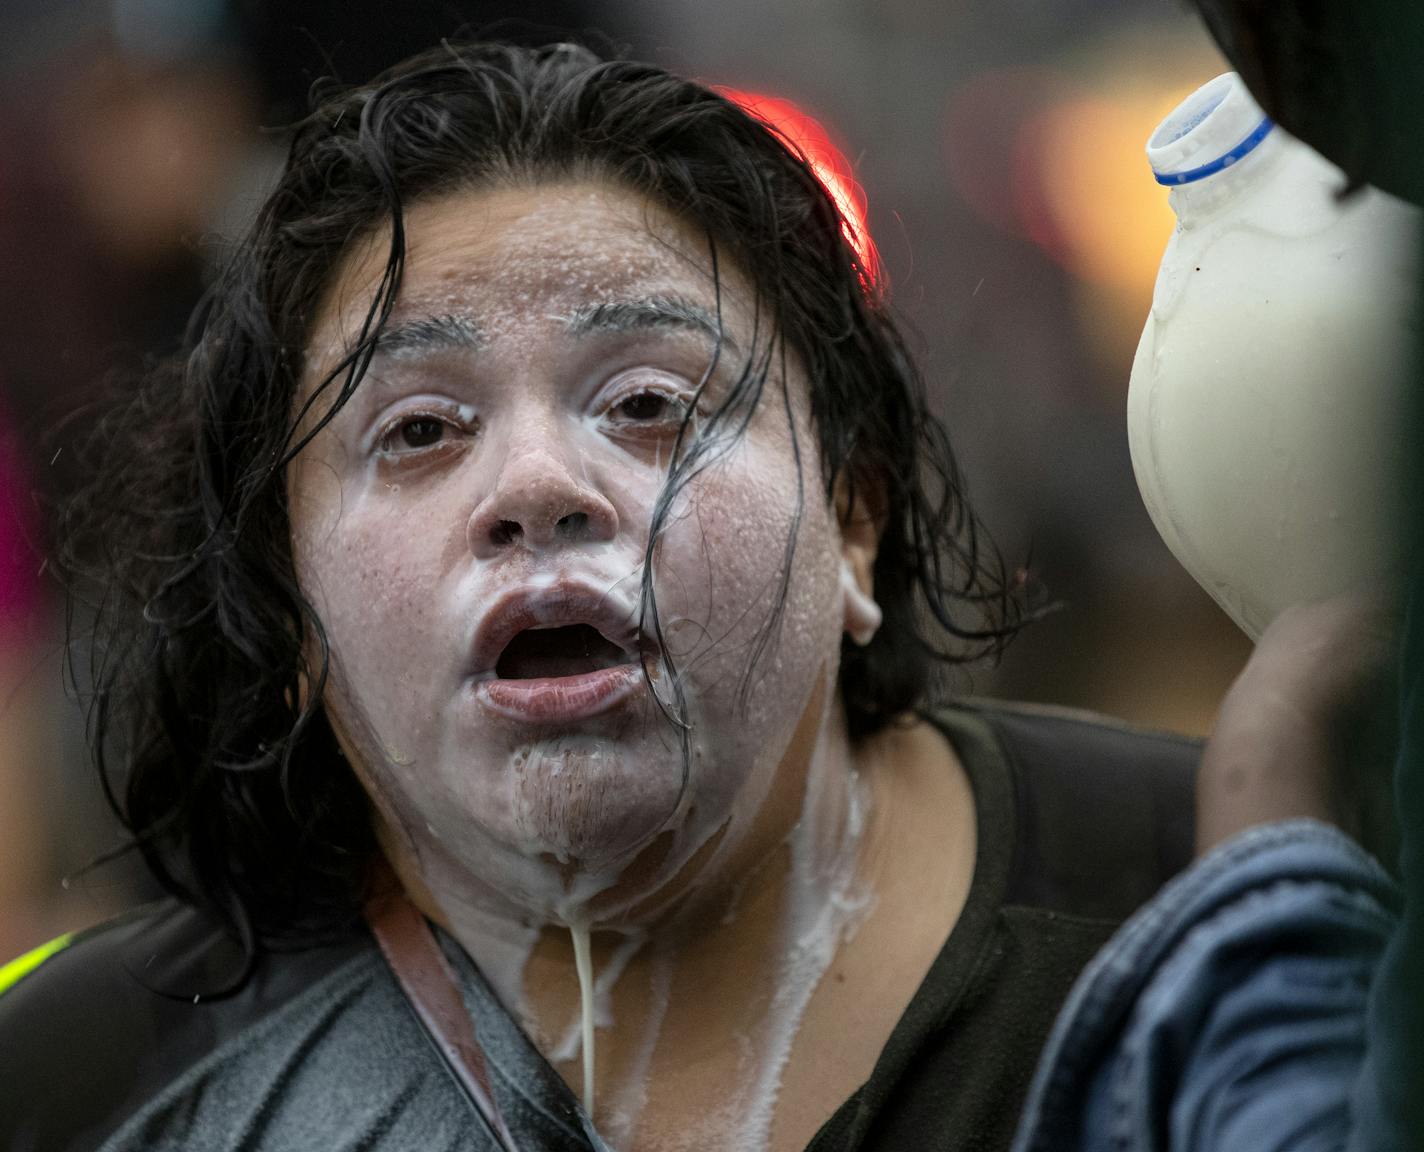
(583, 958)
(826, 903)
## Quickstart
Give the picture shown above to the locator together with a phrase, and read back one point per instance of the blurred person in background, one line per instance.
(118, 143)
(22, 846)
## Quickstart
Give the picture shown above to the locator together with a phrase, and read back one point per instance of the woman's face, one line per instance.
(472, 528)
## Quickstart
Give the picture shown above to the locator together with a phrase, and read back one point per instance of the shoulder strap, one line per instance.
(425, 976)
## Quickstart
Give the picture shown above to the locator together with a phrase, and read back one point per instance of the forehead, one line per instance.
(526, 252)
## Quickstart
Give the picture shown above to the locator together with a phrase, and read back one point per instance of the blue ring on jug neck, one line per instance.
(1226, 160)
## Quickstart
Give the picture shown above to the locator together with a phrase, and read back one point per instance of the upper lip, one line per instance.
(558, 605)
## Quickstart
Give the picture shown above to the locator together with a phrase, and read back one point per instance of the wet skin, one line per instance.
(497, 471)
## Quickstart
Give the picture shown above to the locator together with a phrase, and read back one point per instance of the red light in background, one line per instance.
(808, 136)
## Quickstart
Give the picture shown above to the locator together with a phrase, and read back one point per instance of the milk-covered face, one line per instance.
(471, 529)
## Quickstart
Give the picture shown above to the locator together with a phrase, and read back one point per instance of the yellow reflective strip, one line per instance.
(13, 972)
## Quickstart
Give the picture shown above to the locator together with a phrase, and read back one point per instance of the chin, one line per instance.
(589, 806)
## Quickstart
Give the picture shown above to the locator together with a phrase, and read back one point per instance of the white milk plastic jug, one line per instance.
(1264, 415)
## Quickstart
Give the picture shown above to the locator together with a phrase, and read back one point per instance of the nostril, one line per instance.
(505, 532)
(573, 525)
(533, 522)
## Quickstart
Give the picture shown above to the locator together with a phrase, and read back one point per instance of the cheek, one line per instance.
(371, 576)
(724, 569)
(356, 581)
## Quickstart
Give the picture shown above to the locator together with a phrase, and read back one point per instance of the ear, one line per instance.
(860, 524)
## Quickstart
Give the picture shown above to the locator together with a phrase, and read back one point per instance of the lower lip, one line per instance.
(559, 699)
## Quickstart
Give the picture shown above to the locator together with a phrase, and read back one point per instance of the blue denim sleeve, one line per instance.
(1229, 1013)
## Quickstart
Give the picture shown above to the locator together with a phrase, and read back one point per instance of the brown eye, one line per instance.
(421, 432)
(645, 406)
(416, 434)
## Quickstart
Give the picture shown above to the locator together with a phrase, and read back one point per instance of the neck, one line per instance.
(722, 979)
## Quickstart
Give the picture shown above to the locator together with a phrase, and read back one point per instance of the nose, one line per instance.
(536, 503)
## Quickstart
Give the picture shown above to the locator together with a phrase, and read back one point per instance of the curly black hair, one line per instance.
(207, 659)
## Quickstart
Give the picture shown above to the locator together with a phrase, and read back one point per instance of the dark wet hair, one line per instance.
(206, 718)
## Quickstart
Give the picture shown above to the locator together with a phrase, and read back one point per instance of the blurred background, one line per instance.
(997, 151)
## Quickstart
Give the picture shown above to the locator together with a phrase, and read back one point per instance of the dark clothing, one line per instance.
(113, 1043)
(1078, 823)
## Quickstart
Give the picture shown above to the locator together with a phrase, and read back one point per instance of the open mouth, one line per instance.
(560, 674)
(555, 653)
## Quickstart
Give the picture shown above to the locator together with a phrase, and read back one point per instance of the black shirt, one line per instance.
(116, 1042)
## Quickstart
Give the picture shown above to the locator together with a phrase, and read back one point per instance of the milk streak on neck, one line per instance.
(782, 925)
(584, 962)
(819, 901)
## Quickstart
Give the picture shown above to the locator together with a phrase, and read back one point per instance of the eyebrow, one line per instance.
(430, 334)
(647, 314)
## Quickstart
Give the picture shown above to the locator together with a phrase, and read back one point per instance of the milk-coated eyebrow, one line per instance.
(430, 334)
(647, 314)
